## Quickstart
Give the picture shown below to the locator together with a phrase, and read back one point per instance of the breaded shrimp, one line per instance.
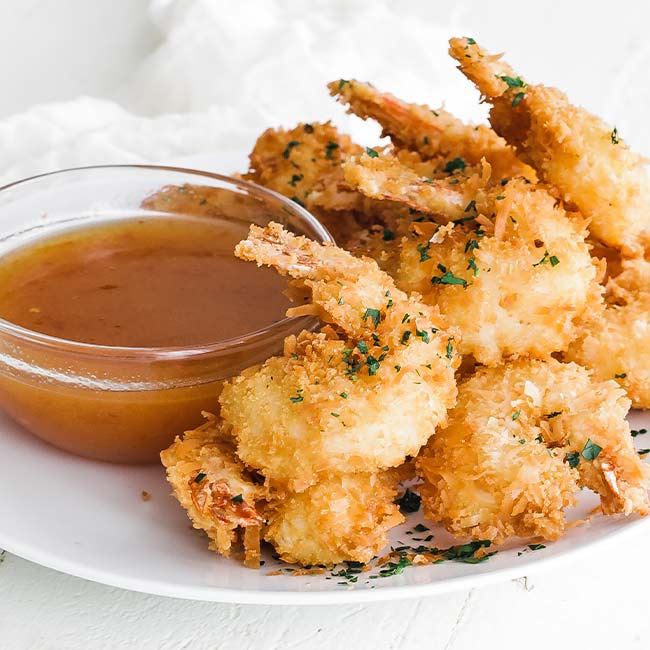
(432, 133)
(514, 273)
(304, 164)
(357, 398)
(342, 518)
(568, 147)
(521, 440)
(615, 343)
(218, 493)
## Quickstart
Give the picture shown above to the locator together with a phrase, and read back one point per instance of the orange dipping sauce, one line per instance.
(167, 281)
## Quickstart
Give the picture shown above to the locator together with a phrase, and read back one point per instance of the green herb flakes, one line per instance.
(591, 450)
(409, 501)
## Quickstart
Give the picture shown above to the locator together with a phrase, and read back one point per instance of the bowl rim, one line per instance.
(171, 352)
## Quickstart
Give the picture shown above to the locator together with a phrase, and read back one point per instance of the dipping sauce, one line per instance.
(154, 282)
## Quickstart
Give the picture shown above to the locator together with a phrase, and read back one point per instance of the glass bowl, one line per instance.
(126, 404)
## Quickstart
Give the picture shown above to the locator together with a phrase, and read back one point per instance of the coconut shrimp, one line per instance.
(521, 441)
(511, 268)
(356, 397)
(568, 147)
(343, 518)
(219, 494)
(432, 133)
(615, 343)
(304, 164)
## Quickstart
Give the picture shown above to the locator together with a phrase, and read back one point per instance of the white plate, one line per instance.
(88, 519)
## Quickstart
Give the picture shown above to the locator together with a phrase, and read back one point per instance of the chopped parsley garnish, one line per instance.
(335, 415)
(591, 450)
(308, 128)
(448, 278)
(471, 245)
(287, 152)
(373, 314)
(342, 83)
(363, 347)
(406, 318)
(405, 337)
(518, 98)
(614, 136)
(420, 528)
(295, 199)
(398, 368)
(553, 260)
(500, 197)
(409, 501)
(199, 477)
(470, 41)
(395, 568)
(543, 260)
(554, 414)
(515, 415)
(573, 459)
(454, 164)
(470, 206)
(423, 334)
(621, 375)
(295, 179)
(638, 432)
(344, 395)
(643, 452)
(389, 235)
(472, 265)
(424, 251)
(513, 82)
(238, 499)
(450, 348)
(467, 552)
(536, 547)
(330, 148)
(371, 152)
(298, 397)
(373, 365)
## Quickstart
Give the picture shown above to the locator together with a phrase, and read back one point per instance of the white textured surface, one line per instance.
(243, 66)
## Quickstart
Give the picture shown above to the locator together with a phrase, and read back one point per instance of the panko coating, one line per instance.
(432, 133)
(568, 147)
(615, 342)
(513, 272)
(304, 164)
(353, 399)
(520, 442)
(218, 493)
(343, 518)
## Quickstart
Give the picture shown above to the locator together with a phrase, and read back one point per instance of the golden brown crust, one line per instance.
(568, 147)
(502, 467)
(216, 490)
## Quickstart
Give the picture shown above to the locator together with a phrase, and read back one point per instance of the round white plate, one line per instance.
(88, 519)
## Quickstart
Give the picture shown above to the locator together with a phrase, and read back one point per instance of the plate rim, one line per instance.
(530, 565)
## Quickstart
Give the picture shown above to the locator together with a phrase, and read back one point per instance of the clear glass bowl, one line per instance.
(124, 404)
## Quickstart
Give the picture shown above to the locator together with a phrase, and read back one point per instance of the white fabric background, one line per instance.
(132, 81)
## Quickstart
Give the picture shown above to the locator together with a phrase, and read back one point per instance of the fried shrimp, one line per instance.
(304, 164)
(520, 442)
(343, 518)
(615, 342)
(568, 147)
(219, 494)
(356, 398)
(432, 133)
(513, 272)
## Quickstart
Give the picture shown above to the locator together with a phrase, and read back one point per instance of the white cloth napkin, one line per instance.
(227, 70)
